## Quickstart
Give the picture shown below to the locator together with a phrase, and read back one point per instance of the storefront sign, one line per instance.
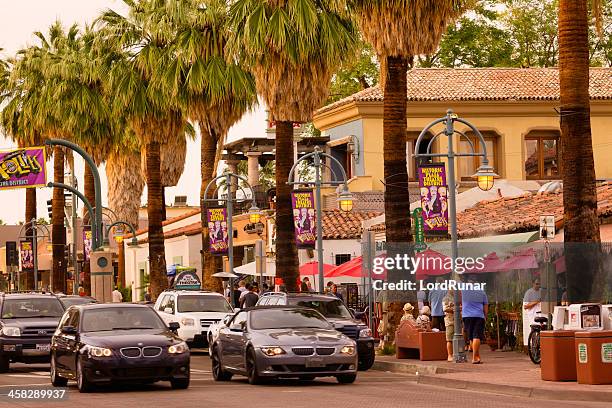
(26, 254)
(606, 353)
(304, 218)
(217, 230)
(582, 353)
(187, 279)
(434, 193)
(419, 230)
(22, 168)
(87, 242)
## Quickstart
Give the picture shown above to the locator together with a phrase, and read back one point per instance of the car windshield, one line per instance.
(333, 309)
(33, 307)
(120, 318)
(203, 303)
(287, 319)
(79, 300)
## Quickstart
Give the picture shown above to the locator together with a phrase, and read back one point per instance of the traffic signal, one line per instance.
(50, 207)
(67, 253)
(12, 258)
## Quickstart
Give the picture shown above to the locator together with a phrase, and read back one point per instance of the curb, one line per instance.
(427, 376)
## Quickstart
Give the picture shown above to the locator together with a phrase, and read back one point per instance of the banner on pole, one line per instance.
(217, 230)
(434, 195)
(22, 168)
(304, 218)
(27, 255)
(87, 242)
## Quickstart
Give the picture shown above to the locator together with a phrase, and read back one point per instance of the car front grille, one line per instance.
(296, 368)
(130, 352)
(151, 351)
(142, 372)
(325, 351)
(350, 331)
(206, 323)
(303, 351)
(38, 331)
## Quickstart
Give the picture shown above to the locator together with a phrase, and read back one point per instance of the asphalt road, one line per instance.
(372, 389)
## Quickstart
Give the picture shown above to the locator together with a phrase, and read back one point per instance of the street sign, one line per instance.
(547, 226)
(419, 230)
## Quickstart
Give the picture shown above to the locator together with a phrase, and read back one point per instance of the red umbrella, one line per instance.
(491, 264)
(312, 268)
(522, 260)
(352, 269)
(432, 263)
(560, 264)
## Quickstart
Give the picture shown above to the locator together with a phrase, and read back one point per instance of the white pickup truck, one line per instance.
(195, 311)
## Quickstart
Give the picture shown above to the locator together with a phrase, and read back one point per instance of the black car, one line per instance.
(71, 300)
(27, 322)
(336, 312)
(106, 343)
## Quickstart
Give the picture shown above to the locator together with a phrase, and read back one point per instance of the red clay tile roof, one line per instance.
(483, 84)
(168, 221)
(518, 214)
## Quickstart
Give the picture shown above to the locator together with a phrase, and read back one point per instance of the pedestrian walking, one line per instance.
(436, 297)
(117, 296)
(250, 297)
(448, 305)
(474, 308)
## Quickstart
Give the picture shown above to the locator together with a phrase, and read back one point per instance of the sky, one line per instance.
(18, 20)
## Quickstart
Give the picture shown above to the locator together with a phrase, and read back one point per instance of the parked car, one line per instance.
(195, 311)
(213, 329)
(282, 342)
(105, 343)
(70, 300)
(27, 322)
(337, 313)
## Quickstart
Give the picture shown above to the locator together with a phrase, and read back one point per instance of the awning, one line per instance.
(250, 268)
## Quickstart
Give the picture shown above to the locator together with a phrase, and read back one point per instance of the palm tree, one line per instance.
(398, 31)
(136, 87)
(217, 92)
(292, 48)
(581, 223)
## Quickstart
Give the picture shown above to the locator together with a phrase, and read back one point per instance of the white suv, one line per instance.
(195, 311)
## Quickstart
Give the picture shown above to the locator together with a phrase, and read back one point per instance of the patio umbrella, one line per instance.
(433, 263)
(491, 263)
(522, 260)
(351, 268)
(312, 269)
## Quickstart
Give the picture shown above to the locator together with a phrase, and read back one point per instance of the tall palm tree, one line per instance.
(292, 48)
(217, 92)
(581, 223)
(398, 31)
(137, 89)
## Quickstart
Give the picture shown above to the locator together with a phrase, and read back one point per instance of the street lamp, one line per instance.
(345, 199)
(254, 213)
(485, 177)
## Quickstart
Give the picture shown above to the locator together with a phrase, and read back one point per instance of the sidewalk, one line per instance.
(509, 373)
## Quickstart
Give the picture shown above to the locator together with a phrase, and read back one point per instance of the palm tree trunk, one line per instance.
(90, 195)
(210, 263)
(157, 253)
(30, 214)
(58, 233)
(287, 264)
(581, 224)
(163, 206)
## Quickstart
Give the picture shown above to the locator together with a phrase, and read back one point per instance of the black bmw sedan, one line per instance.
(106, 343)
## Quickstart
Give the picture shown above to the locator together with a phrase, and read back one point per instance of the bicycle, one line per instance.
(533, 344)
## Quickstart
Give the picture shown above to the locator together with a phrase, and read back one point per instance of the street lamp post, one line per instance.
(484, 175)
(254, 214)
(34, 235)
(345, 199)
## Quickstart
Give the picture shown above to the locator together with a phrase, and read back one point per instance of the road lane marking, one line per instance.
(24, 375)
(195, 370)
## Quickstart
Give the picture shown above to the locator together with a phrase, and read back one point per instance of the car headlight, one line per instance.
(272, 351)
(99, 351)
(365, 333)
(350, 350)
(178, 348)
(185, 321)
(11, 331)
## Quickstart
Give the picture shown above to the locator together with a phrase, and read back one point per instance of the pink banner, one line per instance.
(22, 168)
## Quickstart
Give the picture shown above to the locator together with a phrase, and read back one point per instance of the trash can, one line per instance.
(558, 351)
(594, 357)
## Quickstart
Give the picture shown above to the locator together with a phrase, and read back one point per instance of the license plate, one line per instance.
(43, 347)
(315, 362)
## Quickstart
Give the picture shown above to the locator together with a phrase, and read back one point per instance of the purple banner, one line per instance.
(27, 255)
(217, 230)
(304, 218)
(22, 168)
(434, 193)
(87, 242)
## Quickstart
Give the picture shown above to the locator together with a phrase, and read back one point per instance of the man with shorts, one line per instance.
(474, 308)
(448, 304)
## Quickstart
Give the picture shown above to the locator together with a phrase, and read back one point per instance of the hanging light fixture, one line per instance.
(345, 200)
(254, 214)
(485, 177)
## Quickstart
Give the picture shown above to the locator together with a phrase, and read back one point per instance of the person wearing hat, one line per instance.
(423, 321)
(408, 308)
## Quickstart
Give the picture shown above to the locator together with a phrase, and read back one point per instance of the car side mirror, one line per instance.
(69, 330)
(174, 326)
(169, 310)
(235, 327)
